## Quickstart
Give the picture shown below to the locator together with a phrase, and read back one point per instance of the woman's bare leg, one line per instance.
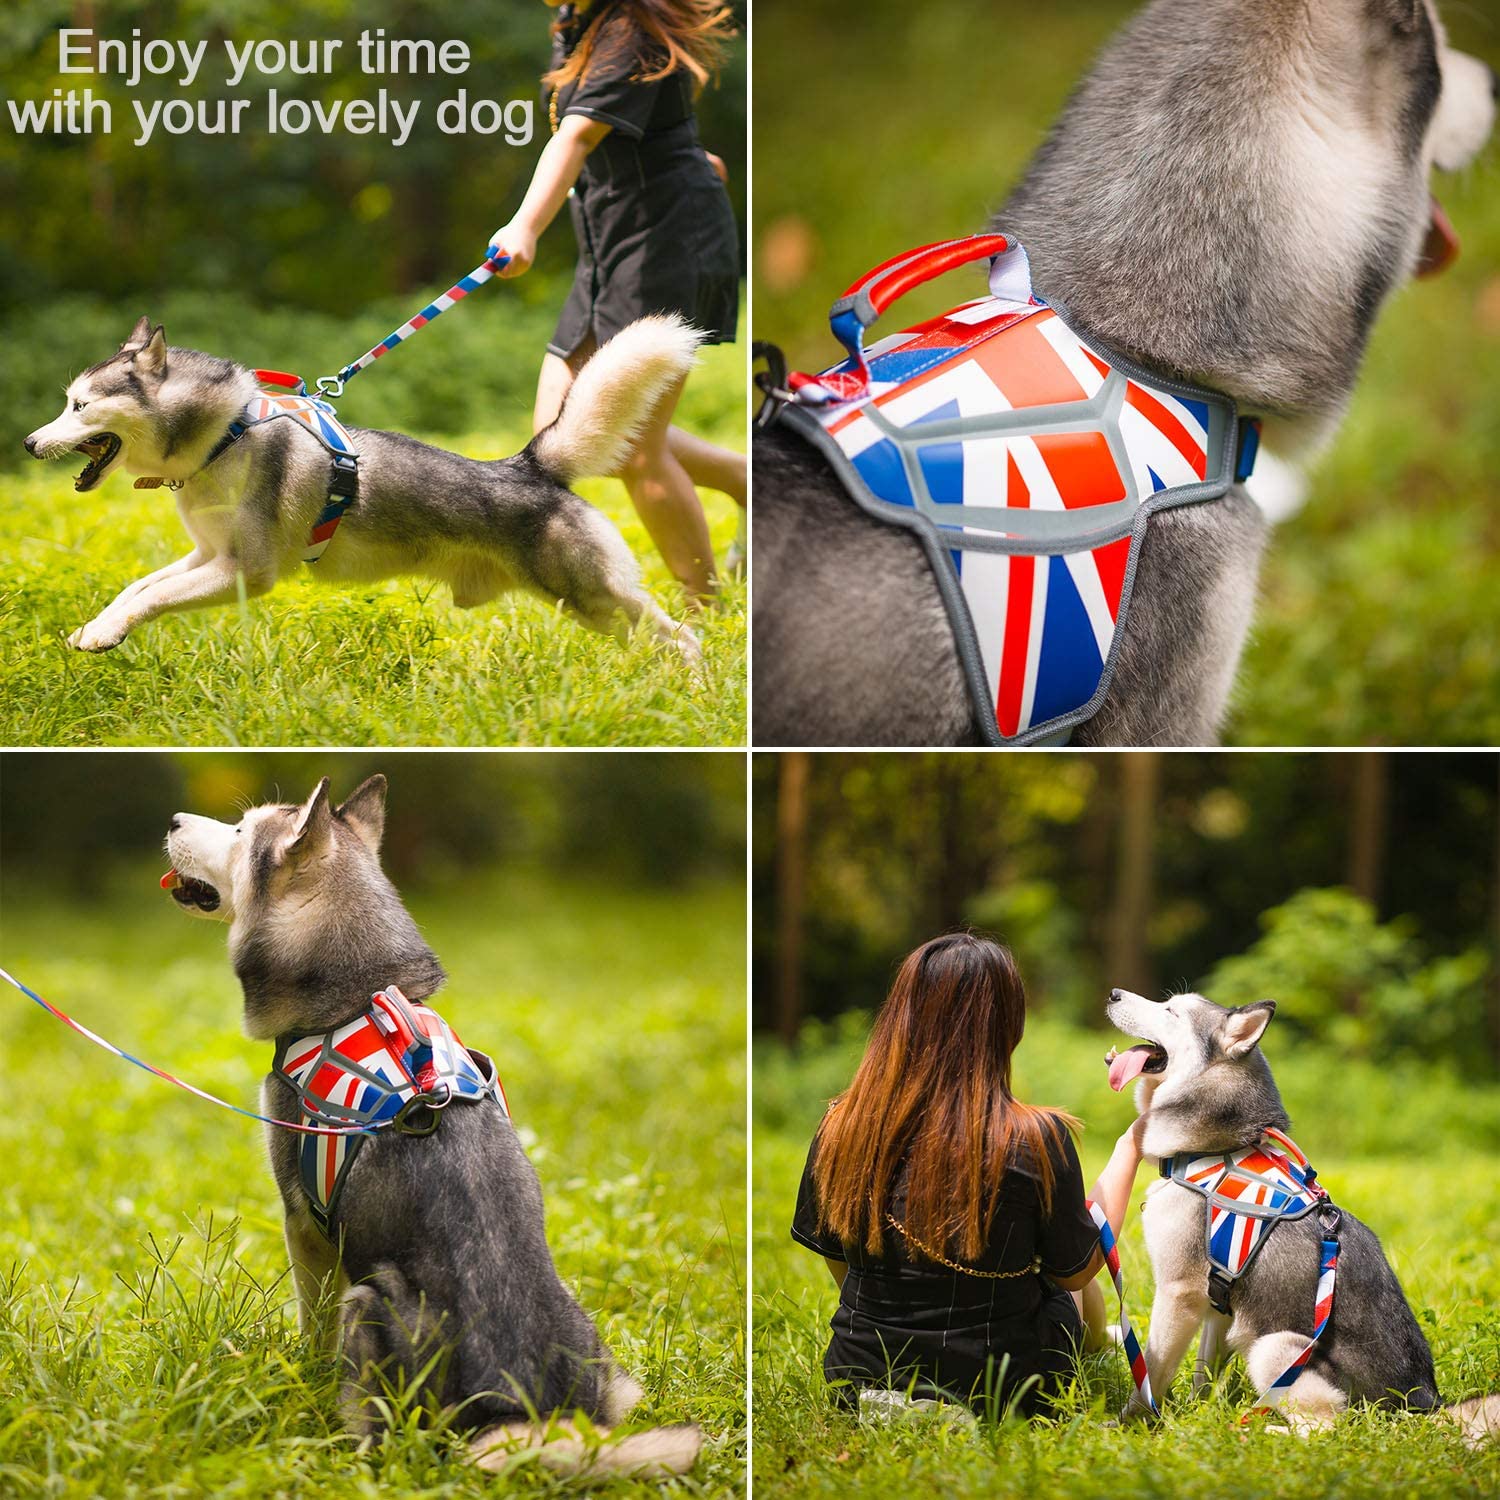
(668, 505)
(1090, 1305)
(709, 466)
(554, 382)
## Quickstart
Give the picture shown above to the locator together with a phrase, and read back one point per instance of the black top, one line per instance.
(902, 1316)
(654, 227)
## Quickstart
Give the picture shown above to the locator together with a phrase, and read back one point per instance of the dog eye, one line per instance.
(78, 405)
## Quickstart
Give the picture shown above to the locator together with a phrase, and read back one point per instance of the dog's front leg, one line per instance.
(216, 581)
(1212, 1352)
(316, 1278)
(195, 559)
(1175, 1315)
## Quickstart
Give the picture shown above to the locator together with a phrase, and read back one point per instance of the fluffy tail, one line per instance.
(614, 396)
(1477, 1419)
(656, 1454)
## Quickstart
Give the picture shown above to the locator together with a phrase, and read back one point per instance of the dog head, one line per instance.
(150, 408)
(1201, 1073)
(109, 408)
(315, 925)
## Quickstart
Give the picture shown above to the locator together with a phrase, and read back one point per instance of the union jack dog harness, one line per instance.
(393, 1068)
(314, 415)
(1247, 1193)
(1027, 458)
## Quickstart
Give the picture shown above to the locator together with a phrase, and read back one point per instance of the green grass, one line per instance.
(148, 1345)
(1435, 1213)
(1375, 623)
(390, 664)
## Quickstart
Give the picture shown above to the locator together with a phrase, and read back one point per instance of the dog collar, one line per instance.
(316, 416)
(393, 1068)
(1027, 458)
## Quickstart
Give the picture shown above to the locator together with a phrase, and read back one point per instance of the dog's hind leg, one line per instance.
(583, 561)
(390, 1341)
(1312, 1401)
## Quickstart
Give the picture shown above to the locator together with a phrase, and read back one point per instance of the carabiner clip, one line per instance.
(330, 387)
(423, 1101)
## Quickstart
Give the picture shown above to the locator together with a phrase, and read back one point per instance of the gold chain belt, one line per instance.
(953, 1265)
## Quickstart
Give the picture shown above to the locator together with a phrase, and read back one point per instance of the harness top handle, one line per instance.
(876, 291)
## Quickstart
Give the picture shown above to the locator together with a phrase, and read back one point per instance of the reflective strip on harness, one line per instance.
(366, 1073)
(1029, 459)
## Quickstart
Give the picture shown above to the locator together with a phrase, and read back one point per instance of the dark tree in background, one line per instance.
(1144, 870)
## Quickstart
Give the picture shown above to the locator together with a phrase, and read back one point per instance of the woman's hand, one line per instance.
(518, 242)
(720, 170)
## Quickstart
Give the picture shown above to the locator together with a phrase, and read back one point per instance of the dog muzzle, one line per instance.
(1027, 458)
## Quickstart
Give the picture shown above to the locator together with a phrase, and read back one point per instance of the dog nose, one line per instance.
(175, 824)
(30, 445)
(1115, 995)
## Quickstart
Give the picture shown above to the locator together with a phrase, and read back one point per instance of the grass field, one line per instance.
(391, 664)
(1425, 1179)
(147, 1342)
(1375, 623)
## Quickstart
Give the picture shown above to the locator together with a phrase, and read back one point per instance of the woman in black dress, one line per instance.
(655, 233)
(952, 1215)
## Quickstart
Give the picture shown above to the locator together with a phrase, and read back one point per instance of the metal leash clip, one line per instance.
(329, 387)
(432, 1103)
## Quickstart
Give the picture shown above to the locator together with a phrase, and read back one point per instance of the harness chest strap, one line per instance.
(316, 416)
(1027, 459)
(394, 1067)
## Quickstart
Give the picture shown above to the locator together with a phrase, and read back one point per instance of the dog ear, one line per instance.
(1244, 1027)
(364, 811)
(140, 335)
(311, 825)
(153, 358)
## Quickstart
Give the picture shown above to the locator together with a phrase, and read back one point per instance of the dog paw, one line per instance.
(1136, 1411)
(97, 635)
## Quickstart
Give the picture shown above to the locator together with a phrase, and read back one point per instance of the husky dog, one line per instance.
(1204, 1086)
(444, 1264)
(480, 527)
(1229, 198)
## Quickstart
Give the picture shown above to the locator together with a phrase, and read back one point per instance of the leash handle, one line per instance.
(332, 387)
(1133, 1352)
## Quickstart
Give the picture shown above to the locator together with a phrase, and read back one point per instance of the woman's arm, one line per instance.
(1112, 1194)
(556, 171)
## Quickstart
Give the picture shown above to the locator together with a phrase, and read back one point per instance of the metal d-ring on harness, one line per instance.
(1027, 459)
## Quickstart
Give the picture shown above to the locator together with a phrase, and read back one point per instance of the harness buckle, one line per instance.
(330, 387)
(344, 478)
(1219, 1287)
(432, 1103)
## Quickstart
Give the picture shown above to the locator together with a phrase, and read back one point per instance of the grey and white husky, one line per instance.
(480, 527)
(1229, 197)
(444, 1265)
(1205, 1086)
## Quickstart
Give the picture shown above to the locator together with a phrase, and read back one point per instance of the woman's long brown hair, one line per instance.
(688, 34)
(933, 1092)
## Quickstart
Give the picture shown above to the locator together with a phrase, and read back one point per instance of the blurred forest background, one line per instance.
(1362, 892)
(308, 247)
(880, 125)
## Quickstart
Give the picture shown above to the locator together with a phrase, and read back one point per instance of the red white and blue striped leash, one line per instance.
(161, 1073)
(331, 387)
(1133, 1354)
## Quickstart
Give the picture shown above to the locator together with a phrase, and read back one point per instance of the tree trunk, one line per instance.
(1130, 911)
(791, 885)
(1369, 803)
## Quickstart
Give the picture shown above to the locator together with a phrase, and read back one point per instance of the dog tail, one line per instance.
(614, 396)
(654, 1454)
(1477, 1419)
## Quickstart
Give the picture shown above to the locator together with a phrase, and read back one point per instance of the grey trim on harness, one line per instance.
(1076, 531)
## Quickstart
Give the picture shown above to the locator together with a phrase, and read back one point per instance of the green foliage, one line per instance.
(1339, 976)
(147, 1340)
(1418, 1170)
(1375, 622)
(393, 663)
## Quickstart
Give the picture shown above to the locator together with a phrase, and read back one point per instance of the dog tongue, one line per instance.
(171, 880)
(1125, 1065)
(1442, 246)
